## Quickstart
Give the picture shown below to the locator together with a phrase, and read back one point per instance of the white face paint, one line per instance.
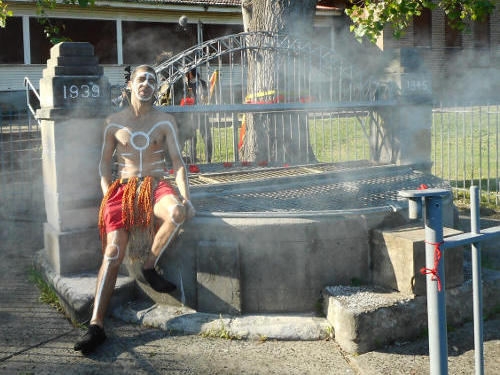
(144, 86)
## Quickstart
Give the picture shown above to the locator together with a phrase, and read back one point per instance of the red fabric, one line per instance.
(187, 101)
(194, 169)
(113, 210)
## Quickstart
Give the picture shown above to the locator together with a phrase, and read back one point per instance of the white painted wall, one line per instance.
(12, 76)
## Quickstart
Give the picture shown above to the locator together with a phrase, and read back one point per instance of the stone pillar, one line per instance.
(75, 99)
(406, 128)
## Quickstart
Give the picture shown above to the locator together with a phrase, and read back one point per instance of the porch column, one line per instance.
(119, 42)
(26, 40)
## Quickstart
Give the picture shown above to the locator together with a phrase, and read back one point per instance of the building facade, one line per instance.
(122, 32)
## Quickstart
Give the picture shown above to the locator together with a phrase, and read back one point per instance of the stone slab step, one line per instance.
(184, 320)
(76, 291)
(367, 318)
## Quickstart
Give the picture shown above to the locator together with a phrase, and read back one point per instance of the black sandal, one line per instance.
(89, 342)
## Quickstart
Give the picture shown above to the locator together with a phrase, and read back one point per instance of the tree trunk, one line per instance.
(274, 137)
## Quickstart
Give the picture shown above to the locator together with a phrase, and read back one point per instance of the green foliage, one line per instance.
(330, 333)
(371, 16)
(4, 13)
(53, 32)
(47, 293)
(222, 332)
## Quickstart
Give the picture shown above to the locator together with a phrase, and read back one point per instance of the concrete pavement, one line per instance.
(36, 339)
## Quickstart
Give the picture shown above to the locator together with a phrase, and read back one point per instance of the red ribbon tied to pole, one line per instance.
(437, 258)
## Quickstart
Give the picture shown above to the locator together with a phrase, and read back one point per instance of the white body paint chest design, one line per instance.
(139, 140)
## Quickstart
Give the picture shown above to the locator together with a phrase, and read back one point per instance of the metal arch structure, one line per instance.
(310, 80)
(309, 60)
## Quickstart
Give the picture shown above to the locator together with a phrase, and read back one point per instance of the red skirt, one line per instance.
(113, 209)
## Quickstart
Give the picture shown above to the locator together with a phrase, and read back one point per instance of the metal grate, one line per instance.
(244, 174)
(340, 193)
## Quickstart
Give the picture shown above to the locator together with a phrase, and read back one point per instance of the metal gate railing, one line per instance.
(310, 103)
(435, 281)
(21, 186)
(465, 148)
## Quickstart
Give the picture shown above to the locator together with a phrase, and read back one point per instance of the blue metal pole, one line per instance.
(477, 293)
(436, 306)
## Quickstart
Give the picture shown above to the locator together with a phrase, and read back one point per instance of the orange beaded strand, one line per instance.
(128, 209)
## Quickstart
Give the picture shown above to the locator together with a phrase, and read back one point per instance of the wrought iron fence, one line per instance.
(465, 148)
(21, 186)
(304, 102)
(332, 136)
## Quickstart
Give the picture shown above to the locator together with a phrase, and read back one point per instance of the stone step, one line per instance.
(398, 254)
(76, 291)
(183, 320)
(366, 318)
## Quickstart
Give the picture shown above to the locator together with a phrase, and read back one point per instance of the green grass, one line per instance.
(332, 138)
(220, 332)
(47, 294)
(464, 145)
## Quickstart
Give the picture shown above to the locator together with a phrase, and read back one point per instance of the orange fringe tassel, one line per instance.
(135, 212)
(128, 207)
(145, 203)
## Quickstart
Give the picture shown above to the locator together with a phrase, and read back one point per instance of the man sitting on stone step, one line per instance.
(141, 198)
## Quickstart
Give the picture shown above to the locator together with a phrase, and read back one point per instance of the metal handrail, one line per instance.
(436, 304)
(30, 88)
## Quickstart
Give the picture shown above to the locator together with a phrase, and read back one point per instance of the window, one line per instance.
(144, 41)
(11, 40)
(452, 36)
(481, 33)
(101, 34)
(216, 31)
(422, 29)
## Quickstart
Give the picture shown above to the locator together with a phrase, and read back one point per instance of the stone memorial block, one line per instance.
(218, 277)
(75, 99)
(405, 132)
(397, 255)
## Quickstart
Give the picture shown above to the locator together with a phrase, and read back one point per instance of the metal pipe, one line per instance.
(436, 306)
(488, 153)
(477, 293)
(480, 170)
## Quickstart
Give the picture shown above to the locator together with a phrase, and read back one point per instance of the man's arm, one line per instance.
(108, 146)
(179, 167)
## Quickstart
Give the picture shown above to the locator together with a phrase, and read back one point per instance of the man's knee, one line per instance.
(113, 252)
(178, 214)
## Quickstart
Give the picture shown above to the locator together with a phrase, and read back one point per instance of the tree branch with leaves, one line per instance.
(370, 17)
(52, 31)
(4, 13)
